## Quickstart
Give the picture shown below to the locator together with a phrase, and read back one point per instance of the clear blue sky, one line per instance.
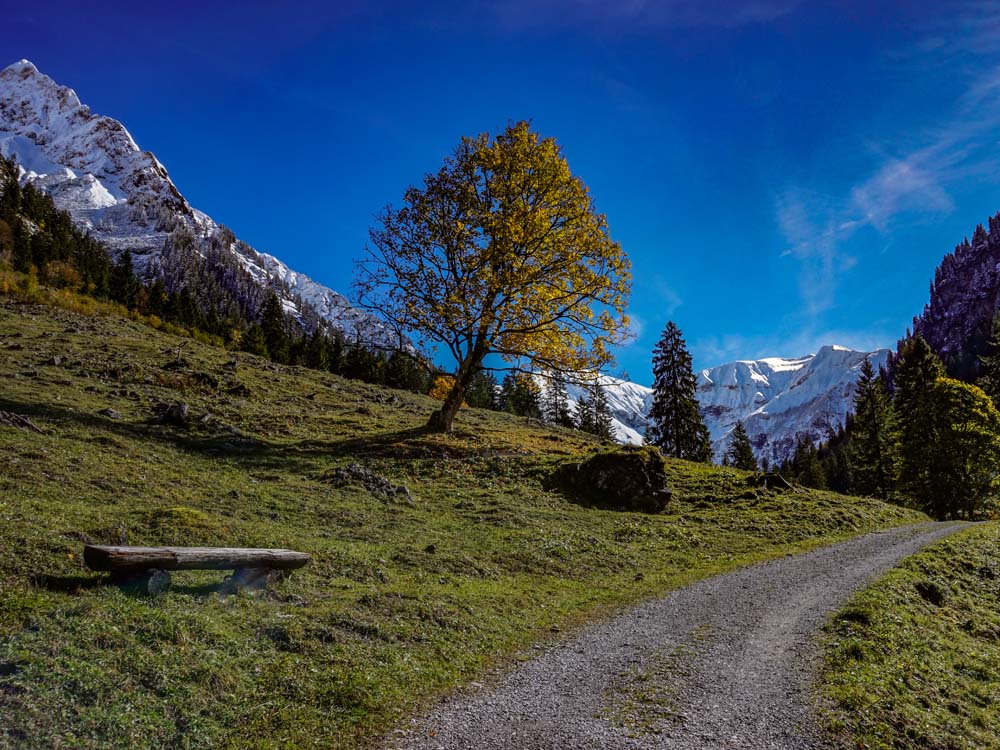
(783, 174)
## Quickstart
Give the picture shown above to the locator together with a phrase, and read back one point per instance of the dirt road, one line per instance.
(724, 663)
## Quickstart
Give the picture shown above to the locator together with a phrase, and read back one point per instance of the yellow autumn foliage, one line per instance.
(501, 252)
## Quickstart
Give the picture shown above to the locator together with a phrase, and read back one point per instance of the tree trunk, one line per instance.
(443, 419)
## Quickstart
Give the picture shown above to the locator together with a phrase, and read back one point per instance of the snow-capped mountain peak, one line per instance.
(92, 167)
(780, 399)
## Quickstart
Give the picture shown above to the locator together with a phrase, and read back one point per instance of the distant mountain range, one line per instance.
(92, 168)
(778, 400)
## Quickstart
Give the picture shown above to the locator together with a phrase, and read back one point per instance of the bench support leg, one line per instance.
(253, 579)
(152, 581)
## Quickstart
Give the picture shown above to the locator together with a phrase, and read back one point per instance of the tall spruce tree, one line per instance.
(678, 427)
(805, 466)
(406, 372)
(593, 413)
(272, 322)
(520, 394)
(254, 342)
(917, 369)
(317, 355)
(124, 286)
(874, 440)
(740, 452)
(555, 402)
(483, 391)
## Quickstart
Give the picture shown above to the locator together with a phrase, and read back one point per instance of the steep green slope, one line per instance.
(914, 661)
(407, 596)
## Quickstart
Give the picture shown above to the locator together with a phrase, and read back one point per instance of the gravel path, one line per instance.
(724, 663)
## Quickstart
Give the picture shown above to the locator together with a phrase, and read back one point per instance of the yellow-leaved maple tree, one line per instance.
(501, 252)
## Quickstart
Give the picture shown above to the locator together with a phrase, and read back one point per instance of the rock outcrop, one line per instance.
(965, 294)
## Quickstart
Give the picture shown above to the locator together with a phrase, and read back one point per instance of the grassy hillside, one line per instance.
(408, 595)
(914, 661)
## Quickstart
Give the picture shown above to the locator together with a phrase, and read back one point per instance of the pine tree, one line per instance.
(317, 355)
(603, 425)
(740, 452)
(555, 402)
(520, 394)
(482, 392)
(961, 451)
(677, 424)
(405, 371)
(805, 465)
(917, 369)
(124, 285)
(272, 322)
(593, 413)
(989, 365)
(874, 442)
(254, 341)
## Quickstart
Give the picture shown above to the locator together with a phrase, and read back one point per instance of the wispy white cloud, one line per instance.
(959, 145)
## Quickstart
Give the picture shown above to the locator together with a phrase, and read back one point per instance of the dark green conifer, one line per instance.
(482, 391)
(254, 342)
(520, 394)
(806, 467)
(989, 365)
(740, 453)
(406, 372)
(272, 322)
(123, 285)
(678, 427)
(555, 402)
(874, 440)
(917, 369)
(316, 351)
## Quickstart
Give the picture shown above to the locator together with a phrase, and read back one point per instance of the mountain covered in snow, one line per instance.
(777, 399)
(123, 196)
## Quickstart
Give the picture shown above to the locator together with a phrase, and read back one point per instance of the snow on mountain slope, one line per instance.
(629, 403)
(777, 399)
(93, 168)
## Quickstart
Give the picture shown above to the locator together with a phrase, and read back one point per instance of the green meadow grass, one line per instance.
(914, 660)
(404, 599)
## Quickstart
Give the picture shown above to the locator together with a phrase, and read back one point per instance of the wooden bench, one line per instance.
(252, 568)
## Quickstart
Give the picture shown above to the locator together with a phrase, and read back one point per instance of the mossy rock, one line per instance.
(623, 479)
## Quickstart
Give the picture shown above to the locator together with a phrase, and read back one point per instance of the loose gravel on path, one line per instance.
(726, 663)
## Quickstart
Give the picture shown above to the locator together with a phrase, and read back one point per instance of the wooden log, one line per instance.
(118, 559)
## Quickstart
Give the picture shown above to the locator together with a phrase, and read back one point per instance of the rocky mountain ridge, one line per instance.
(964, 297)
(123, 196)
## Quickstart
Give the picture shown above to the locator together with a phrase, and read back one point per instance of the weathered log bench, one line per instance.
(149, 566)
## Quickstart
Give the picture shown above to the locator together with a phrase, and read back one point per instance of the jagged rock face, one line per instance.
(965, 296)
(777, 399)
(93, 168)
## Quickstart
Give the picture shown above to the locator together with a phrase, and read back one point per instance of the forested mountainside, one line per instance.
(92, 167)
(957, 320)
